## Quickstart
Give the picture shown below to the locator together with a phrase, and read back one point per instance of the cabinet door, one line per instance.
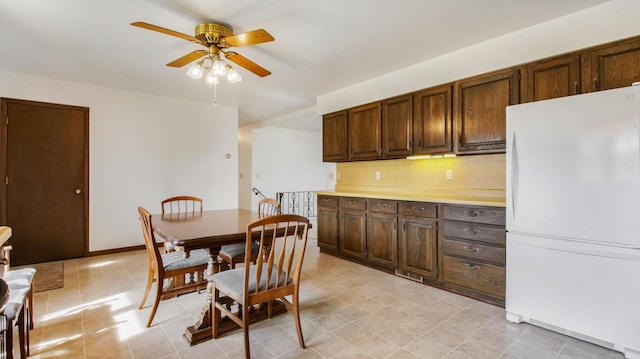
(397, 114)
(612, 66)
(328, 228)
(352, 233)
(432, 121)
(365, 132)
(382, 239)
(418, 246)
(334, 137)
(481, 116)
(552, 78)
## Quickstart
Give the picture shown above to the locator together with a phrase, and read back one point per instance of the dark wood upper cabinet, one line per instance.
(611, 66)
(432, 120)
(480, 105)
(397, 114)
(334, 137)
(365, 135)
(553, 78)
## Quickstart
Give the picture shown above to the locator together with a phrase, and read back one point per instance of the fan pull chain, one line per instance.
(215, 100)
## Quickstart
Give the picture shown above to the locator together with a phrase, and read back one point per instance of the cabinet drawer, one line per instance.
(353, 203)
(418, 209)
(489, 215)
(382, 206)
(474, 251)
(476, 232)
(482, 278)
(327, 202)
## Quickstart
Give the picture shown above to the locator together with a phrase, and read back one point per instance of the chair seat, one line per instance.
(234, 250)
(175, 260)
(233, 280)
(19, 278)
(17, 298)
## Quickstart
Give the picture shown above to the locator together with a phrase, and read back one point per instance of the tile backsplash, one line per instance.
(477, 175)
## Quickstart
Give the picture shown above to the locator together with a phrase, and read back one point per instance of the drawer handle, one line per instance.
(419, 209)
(352, 202)
(382, 205)
(471, 249)
(473, 213)
(326, 200)
(474, 231)
(471, 266)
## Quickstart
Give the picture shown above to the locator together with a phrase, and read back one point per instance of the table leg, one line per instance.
(201, 330)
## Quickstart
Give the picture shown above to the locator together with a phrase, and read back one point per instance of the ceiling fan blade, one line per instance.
(162, 30)
(247, 64)
(248, 38)
(190, 57)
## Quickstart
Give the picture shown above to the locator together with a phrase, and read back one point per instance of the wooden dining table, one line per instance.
(207, 230)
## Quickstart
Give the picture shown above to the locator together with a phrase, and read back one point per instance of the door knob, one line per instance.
(78, 191)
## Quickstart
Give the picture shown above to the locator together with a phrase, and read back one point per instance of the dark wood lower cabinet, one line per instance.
(454, 247)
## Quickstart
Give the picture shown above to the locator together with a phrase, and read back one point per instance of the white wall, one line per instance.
(605, 23)
(288, 160)
(143, 149)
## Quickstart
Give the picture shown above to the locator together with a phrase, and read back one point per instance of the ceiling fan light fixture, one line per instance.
(233, 75)
(196, 70)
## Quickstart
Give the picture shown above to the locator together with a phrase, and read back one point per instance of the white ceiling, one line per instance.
(319, 47)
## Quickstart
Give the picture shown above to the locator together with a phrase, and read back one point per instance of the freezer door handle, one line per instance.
(514, 175)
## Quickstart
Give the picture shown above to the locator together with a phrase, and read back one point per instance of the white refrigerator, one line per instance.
(573, 217)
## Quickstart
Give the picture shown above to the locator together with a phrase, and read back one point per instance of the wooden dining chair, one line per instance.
(282, 242)
(168, 266)
(233, 254)
(180, 204)
(18, 310)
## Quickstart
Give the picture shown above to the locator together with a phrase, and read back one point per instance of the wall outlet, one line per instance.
(377, 175)
(449, 175)
(338, 175)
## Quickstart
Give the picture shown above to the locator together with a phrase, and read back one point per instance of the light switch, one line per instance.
(449, 175)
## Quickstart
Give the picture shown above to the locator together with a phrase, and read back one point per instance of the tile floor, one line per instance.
(348, 311)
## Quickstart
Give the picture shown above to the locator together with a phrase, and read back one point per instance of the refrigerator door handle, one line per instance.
(514, 175)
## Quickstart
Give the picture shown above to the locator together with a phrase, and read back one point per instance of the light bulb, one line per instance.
(219, 67)
(233, 75)
(196, 71)
(211, 78)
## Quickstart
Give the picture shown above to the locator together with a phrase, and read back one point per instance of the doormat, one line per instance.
(49, 275)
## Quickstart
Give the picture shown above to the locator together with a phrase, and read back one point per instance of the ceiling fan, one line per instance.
(217, 39)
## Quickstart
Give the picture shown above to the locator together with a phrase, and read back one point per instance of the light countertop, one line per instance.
(423, 197)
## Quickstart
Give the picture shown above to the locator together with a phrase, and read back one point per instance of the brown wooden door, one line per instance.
(612, 66)
(553, 78)
(418, 246)
(353, 233)
(328, 223)
(382, 239)
(365, 132)
(334, 137)
(481, 111)
(45, 165)
(397, 114)
(432, 120)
